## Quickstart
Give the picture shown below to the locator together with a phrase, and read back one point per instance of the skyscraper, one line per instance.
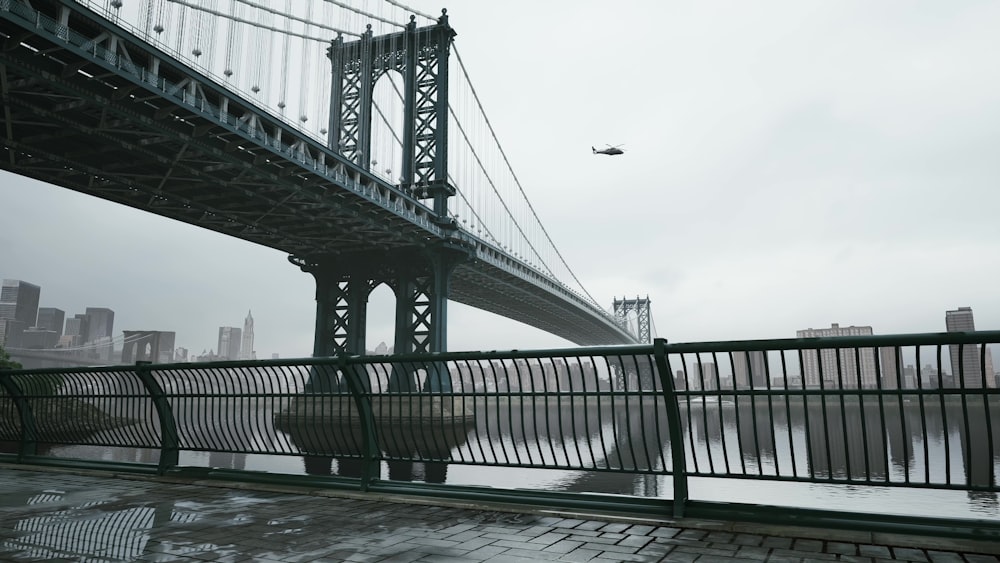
(18, 310)
(246, 347)
(754, 370)
(838, 367)
(50, 318)
(78, 327)
(966, 362)
(101, 323)
(19, 301)
(229, 343)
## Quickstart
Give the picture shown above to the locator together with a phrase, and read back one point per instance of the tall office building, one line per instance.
(19, 301)
(750, 367)
(50, 318)
(18, 310)
(100, 323)
(229, 343)
(839, 368)
(966, 360)
(79, 328)
(246, 346)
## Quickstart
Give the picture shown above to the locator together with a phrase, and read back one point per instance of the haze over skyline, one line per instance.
(788, 166)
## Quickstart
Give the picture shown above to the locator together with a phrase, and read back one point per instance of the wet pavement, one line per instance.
(60, 515)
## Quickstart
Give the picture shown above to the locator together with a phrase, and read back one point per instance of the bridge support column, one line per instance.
(418, 277)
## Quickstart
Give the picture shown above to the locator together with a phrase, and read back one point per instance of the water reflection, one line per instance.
(113, 535)
(623, 446)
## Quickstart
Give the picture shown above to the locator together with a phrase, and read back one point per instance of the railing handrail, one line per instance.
(522, 387)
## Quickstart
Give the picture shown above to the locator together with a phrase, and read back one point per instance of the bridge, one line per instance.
(378, 178)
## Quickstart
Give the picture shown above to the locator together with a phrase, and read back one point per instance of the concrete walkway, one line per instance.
(48, 515)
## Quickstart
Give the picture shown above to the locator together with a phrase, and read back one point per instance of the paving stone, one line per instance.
(563, 546)
(875, 551)
(807, 545)
(841, 548)
(580, 555)
(909, 554)
(255, 524)
(549, 538)
(748, 539)
(636, 541)
(945, 557)
(640, 530)
(753, 553)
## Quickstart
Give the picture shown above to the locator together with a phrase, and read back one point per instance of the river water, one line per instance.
(922, 443)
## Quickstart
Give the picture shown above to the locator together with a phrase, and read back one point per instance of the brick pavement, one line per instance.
(50, 515)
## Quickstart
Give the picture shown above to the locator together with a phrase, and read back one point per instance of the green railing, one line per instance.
(821, 413)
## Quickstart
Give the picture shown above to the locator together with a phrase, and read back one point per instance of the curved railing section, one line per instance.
(648, 426)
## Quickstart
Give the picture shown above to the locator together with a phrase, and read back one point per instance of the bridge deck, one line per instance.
(58, 515)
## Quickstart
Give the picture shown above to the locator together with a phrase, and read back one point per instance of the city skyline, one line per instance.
(787, 165)
(231, 343)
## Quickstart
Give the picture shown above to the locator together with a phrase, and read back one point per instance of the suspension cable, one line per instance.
(516, 181)
(496, 191)
(409, 9)
(269, 28)
(364, 13)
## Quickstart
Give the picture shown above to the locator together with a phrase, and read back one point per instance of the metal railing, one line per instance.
(874, 411)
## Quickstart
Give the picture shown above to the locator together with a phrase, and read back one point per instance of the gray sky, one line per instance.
(790, 165)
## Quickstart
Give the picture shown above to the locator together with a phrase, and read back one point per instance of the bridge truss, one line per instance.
(89, 106)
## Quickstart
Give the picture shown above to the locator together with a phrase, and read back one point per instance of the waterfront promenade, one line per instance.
(61, 515)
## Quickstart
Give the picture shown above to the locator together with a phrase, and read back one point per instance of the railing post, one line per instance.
(169, 442)
(358, 388)
(674, 420)
(29, 432)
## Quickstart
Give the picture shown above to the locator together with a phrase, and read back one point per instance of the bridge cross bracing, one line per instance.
(218, 114)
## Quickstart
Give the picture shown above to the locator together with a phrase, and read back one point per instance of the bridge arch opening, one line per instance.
(387, 126)
(380, 320)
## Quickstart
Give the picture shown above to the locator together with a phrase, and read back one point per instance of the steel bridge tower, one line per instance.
(640, 306)
(418, 275)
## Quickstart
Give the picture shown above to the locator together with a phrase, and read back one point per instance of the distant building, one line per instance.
(382, 349)
(78, 326)
(230, 339)
(967, 359)
(839, 368)
(246, 346)
(38, 339)
(100, 323)
(50, 318)
(750, 367)
(274, 356)
(11, 331)
(704, 377)
(181, 355)
(890, 370)
(148, 346)
(19, 301)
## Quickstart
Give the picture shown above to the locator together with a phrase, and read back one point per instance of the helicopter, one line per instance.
(610, 151)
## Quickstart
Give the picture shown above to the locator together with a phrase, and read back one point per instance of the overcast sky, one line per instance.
(789, 165)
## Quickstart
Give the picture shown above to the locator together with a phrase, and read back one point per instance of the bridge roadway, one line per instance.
(59, 515)
(88, 105)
